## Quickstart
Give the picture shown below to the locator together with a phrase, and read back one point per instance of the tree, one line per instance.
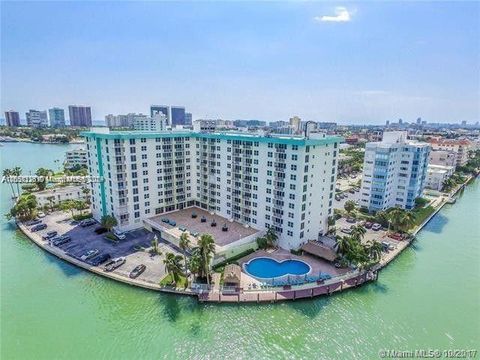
(42, 184)
(271, 237)
(206, 246)
(108, 222)
(374, 249)
(7, 173)
(68, 205)
(86, 192)
(195, 262)
(154, 243)
(358, 232)
(407, 220)
(17, 171)
(184, 245)
(395, 218)
(24, 208)
(262, 242)
(173, 266)
(349, 206)
(51, 202)
(343, 244)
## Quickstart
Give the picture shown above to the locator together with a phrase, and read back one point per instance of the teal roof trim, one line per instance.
(125, 135)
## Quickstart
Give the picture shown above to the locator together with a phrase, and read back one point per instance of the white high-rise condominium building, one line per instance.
(144, 123)
(282, 182)
(394, 172)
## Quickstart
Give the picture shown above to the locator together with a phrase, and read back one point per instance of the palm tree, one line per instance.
(7, 173)
(271, 237)
(349, 206)
(374, 250)
(67, 205)
(17, 171)
(85, 192)
(184, 245)
(395, 218)
(358, 232)
(206, 246)
(173, 266)
(108, 222)
(155, 245)
(408, 220)
(195, 262)
(50, 200)
(343, 244)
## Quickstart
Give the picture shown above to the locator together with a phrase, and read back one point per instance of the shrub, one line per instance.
(80, 217)
(420, 202)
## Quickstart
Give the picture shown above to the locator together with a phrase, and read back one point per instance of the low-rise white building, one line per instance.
(56, 195)
(76, 157)
(436, 176)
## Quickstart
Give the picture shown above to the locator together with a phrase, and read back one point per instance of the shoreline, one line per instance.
(309, 290)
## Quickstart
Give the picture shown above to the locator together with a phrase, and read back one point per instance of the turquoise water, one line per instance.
(429, 297)
(270, 268)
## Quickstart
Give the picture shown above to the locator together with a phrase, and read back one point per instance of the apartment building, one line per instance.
(144, 123)
(443, 158)
(394, 172)
(36, 119)
(282, 182)
(76, 157)
(460, 147)
(437, 175)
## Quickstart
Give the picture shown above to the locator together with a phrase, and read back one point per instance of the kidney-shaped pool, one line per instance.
(263, 267)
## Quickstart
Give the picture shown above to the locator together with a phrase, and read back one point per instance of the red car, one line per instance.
(395, 236)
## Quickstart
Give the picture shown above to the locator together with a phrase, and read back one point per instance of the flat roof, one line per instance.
(236, 231)
(280, 139)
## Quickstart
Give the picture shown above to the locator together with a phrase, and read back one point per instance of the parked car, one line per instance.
(100, 259)
(173, 223)
(351, 191)
(89, 254)
(346, 230)
(368, 225)
(119, 235)
(87, 222)
(41, 214)
(182, 228)
(137, 271)
(395, 236)
(351, 220)
(60, 240)
(33, 222)
(114, 264)
(376, 227)
(38, 227)
(100, 230)
(165, 220)
(49, 235)
(338, 198)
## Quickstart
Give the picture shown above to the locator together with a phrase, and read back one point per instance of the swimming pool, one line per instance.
(265, 268)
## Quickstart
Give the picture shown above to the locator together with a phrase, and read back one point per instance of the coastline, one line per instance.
(309, 290)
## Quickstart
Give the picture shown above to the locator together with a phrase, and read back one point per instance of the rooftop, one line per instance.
(183, 218)
(313, 139)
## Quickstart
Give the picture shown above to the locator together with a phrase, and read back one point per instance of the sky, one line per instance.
(364, 62)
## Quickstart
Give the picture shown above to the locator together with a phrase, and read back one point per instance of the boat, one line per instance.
(114, 264)
(137, 271)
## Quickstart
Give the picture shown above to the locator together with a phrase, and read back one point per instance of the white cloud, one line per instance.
(341, 15)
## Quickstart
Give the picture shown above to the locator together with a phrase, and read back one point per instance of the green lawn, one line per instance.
(422, 213)
(167, 281)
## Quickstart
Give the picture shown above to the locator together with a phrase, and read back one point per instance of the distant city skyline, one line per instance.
(349, 63)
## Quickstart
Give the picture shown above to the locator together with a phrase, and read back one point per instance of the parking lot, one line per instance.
(371, 235)
(84, 239)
